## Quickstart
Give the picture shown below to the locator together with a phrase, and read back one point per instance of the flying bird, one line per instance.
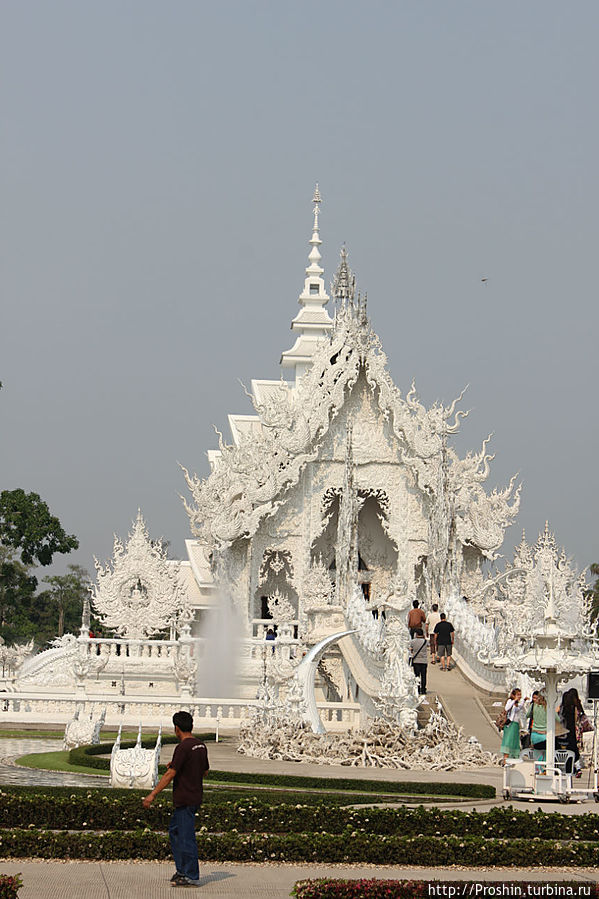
(484, 280)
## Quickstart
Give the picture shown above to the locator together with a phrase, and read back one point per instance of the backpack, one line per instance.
(501, 720)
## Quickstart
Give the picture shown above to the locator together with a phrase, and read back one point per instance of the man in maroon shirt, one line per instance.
(416, 618)
(187, 768)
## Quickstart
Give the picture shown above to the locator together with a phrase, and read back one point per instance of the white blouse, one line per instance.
(514, 710)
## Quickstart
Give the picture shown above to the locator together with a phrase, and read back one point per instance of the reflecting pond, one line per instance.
(12, 748)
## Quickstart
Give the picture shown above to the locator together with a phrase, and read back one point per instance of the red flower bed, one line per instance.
(9, 885)
(427, 889)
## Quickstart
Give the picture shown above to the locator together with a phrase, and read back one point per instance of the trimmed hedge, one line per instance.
(326, 888)
(418, 788)
(324, 847)
(10, 885)
(70, 809)
(216, 794)
(86, 756)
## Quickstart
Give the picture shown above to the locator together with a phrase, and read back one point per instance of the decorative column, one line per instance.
(551, 696)
(185, 666)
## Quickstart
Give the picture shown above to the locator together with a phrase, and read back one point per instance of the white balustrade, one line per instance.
(261, 625)
(206, 712)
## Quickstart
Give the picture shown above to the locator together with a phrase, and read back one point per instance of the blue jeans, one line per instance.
(182, 834)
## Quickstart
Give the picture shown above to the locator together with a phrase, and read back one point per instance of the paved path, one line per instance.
(461, 701)
(150, 880)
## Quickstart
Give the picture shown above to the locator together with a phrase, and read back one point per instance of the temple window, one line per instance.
(264, 612)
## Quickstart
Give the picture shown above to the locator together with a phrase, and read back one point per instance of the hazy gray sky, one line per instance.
(158, 163)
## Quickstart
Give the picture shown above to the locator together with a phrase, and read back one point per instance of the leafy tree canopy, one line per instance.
(17, 598)
(27, 526)
(67, 593)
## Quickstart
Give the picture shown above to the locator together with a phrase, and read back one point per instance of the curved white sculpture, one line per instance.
(135, 768)
(304, 679)
(83, 731)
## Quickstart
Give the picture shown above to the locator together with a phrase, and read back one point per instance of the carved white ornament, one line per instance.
(13, 657)
(369, 631)
(83, 731)
(140, 592)
(135, 768)
(280, 609)
(317, 587)
(250, 480)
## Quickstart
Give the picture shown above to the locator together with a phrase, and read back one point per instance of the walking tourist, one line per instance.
(271, 637)
(538, 721)
(571, 714)
(416, 618)
(432, 620)
(525, 734)
(514, 709)
(186, 768)
(418, 657)
(444, 637)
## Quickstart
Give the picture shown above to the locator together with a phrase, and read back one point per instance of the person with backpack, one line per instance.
(419, 659)
(510, 740)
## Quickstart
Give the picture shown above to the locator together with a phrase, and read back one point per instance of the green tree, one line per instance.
(29, 534)
(27, 525)
(17, 598)
(66, 594)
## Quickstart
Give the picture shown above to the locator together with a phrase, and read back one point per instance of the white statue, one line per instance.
(135, 768)
(83, 731)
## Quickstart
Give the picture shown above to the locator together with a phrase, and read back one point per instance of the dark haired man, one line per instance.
(416, 618)
(432, 620)
(187, 768)
(445, 635)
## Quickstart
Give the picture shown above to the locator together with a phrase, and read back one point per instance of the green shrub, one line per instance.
(94, 809)
(418, 788)
(85, 755)
(10, 885)
(305, 847)
(214, 794)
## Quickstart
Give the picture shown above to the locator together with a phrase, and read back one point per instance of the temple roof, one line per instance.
(251, 478)
(312, 323)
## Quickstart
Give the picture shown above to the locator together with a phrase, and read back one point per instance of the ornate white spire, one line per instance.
(314, 255)
(343, 286)
(313, 322)
(139, 593)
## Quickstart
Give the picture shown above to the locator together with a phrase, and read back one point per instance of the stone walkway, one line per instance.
(150, 880)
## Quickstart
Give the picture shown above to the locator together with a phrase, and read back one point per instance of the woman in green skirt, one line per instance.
(510, 743)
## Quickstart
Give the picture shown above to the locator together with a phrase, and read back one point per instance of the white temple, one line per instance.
(337, 502)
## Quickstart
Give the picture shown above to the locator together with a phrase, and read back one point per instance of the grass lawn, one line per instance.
(56, 761)
(59, 761)
(59, 734)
